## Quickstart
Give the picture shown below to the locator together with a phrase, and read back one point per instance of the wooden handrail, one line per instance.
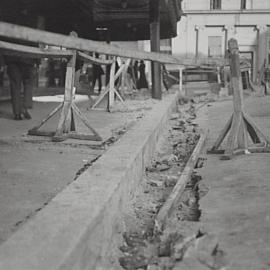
(80, 44)
(39, 36)
(13, 49)
(94, 60)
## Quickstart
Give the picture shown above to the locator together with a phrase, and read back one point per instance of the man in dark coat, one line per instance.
(20, 70)
(142, 82)
(97, 73)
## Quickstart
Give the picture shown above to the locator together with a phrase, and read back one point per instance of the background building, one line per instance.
(209, 24)
(123, 22)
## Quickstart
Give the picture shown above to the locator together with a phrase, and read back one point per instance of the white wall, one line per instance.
(225, 4)
(261, 4)
(185, 42)
(250, 29)
(230, 4)
(196, 5)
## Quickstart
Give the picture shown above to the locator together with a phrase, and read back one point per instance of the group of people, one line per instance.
(138, 74)
(136, 70)
(97, 73)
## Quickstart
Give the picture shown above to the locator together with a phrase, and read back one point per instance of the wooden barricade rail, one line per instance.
(32, 52)
(80, 44)
(76, 46)
(90, 59)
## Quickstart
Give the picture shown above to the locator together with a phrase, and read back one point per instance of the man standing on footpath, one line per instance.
(97, 73)
(20, 70)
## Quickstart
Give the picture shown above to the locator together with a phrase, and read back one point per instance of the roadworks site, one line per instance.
(180, 243)
(129, 235)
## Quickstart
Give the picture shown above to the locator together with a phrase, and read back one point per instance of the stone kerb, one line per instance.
(75, 229)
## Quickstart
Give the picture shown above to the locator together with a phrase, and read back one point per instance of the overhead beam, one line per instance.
(7, 48)
(39, 36)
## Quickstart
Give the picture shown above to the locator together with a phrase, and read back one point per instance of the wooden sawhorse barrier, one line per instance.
(65, 129)
(111, 89)
(66, 124)
(240, 124)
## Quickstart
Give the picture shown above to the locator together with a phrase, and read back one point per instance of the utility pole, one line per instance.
(155, 47)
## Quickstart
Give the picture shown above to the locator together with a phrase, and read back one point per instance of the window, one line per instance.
(215, 4)
(243, 4)
(247, 59)
(166, 46)
(214, 46)
(246, 4)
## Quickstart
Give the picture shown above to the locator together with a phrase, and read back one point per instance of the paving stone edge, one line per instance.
(75, 229)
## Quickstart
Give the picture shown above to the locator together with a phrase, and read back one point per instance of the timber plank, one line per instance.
(80, 44)
(223, 134)
(177, 191)
(13, 49)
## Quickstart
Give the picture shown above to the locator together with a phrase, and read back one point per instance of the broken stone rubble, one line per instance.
(171, 250)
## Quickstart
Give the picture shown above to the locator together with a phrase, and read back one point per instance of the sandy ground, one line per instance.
(34, 169)
(236, 208)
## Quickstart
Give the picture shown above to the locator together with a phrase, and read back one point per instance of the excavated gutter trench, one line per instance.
(181, 244)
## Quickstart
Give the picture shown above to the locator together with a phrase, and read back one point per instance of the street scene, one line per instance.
(134, 134)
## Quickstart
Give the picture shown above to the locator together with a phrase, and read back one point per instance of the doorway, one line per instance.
(248, 56)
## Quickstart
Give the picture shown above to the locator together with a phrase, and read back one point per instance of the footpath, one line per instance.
(61, 207)
(236, 208)
(33, 169)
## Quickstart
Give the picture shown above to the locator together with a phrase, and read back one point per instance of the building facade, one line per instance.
(209, 24)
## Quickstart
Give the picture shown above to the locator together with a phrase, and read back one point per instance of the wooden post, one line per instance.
(155, 47)
(218, 75)
(197, 43)
(181, 80)
(111, 91)
(111, 86)
(225, 29)
(237, 129)
(64, 123)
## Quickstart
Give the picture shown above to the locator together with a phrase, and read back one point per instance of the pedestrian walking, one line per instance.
(142, 82)
(97, 73)
(135, 72)
(21, 79)
(2, 66)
